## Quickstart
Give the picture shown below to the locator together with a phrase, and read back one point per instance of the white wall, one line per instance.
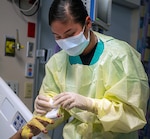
(13, 68)
(124, 24)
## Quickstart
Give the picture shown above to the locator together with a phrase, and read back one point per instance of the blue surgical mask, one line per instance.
(74, 45)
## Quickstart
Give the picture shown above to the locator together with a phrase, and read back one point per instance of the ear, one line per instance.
(88, 22)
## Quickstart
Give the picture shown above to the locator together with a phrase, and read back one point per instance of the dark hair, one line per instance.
(65, 10)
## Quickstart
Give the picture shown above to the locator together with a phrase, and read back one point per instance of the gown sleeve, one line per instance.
(123, 106)
(50, 87)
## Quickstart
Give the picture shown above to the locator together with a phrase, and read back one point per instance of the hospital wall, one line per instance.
(124, 26)
(12, 68)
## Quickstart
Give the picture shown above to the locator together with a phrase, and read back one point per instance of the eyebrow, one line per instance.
(63, 33)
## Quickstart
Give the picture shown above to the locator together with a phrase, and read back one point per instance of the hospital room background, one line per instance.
(26, 42)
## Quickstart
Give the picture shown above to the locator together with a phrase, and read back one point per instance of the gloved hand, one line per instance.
(42, 105)
(68, 100)
(36, 125)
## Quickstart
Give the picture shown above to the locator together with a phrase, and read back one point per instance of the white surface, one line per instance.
(13, 113)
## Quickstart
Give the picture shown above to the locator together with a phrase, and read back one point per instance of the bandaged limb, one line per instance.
(36, 125)
(68, 100)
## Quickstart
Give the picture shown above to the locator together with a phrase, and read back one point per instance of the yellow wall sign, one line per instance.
(10, 47)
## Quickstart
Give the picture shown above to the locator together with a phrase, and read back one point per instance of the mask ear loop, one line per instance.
(89, 35)
(83, 29)
(88, 38)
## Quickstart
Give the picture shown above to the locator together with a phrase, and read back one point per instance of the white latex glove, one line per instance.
(42, 105)
(68, 100)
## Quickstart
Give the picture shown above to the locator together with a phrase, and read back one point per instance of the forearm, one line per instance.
(116, 117)
(17, 135)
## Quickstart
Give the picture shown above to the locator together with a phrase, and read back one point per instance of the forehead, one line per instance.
(59, 27)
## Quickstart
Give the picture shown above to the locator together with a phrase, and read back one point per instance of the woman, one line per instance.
(96, 80)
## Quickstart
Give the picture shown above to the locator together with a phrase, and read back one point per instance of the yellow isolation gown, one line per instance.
(116, 80)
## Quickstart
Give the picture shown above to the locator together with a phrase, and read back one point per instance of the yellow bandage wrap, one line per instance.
(35, 126)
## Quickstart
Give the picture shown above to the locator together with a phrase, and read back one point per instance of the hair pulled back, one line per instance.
(65, 10)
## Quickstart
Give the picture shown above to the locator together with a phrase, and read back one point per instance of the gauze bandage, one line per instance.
(54, 113)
